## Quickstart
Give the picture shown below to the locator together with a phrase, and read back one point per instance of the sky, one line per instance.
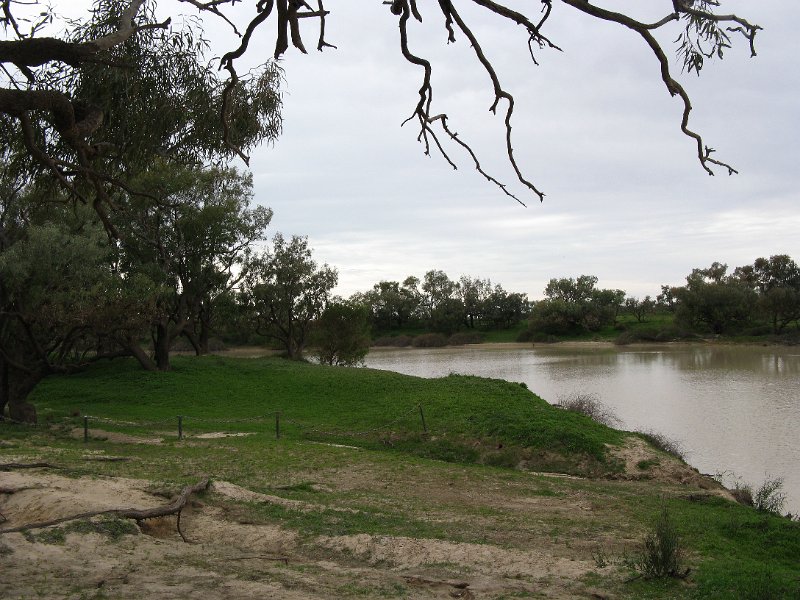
(595, 129)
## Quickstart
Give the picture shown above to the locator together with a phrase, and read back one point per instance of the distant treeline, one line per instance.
(759, 299)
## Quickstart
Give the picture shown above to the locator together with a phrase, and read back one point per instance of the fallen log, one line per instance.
(173, 508)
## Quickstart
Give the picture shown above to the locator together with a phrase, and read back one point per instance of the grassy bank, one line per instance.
(468, 419)
(353, 504)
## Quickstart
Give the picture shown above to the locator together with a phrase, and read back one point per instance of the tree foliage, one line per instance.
(443, 305)
(776, 281)
(572, 305)
(713, 299)
(285, 292)
(58, 301)
(192, 245)
(119, 91)
(341, 334)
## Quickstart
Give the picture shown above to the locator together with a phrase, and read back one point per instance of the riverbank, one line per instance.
(599, 344)
(356, 499)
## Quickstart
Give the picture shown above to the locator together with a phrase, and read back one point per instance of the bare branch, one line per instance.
(674, 88)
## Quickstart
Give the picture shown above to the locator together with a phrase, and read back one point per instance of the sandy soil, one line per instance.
(230, 556)
(228, 559)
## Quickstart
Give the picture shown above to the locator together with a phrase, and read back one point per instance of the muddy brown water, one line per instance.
(734, 409)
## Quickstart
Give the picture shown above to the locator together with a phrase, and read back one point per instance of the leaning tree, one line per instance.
(60, 131)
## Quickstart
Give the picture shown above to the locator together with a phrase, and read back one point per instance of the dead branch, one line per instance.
(173, 508)
(747, 29)
(75, 125)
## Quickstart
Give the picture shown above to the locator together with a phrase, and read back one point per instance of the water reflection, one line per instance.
(735, 408)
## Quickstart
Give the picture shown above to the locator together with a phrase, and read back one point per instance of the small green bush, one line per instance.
(661, 552)
(770, 497)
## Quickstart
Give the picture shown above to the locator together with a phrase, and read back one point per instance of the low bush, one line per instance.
(465, 337)
(632, 336)
(394, 341)
(591, 406)
(673, 333)
(429, 340)
(661, 552)
(770, 497)
(743, 494)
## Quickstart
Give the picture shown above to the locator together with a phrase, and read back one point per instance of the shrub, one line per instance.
(395, 341)
(429, 340)
(591, 406)
(637, 335)
(770, 497)
(663, 443)
(743, 494)
(661, 552)
(625, 338)
(672, 333)
(465, 337)
(341, 334)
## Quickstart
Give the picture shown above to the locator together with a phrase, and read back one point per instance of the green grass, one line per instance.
(468, 418)
(387, 485)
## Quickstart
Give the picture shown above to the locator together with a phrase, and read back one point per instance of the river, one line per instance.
(734, 409)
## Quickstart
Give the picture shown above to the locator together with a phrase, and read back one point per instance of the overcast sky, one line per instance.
(595, 129)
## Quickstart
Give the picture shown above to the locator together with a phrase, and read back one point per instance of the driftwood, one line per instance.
(173, 508)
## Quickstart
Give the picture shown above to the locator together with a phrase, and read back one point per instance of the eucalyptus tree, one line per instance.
(575, 304)
(65, 134)
(60, 302)
(504, 309)
(117, 92)
(390, 305)
(715, 300)
(640, 308)
(474, 293)
(285, 291)
(193, 244)
(776, 280)
(341, 333)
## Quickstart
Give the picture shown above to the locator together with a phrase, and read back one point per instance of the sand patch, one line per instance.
(216, 435)
(49, 496)
(411, 553)
(644, 462)
(115, 436)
